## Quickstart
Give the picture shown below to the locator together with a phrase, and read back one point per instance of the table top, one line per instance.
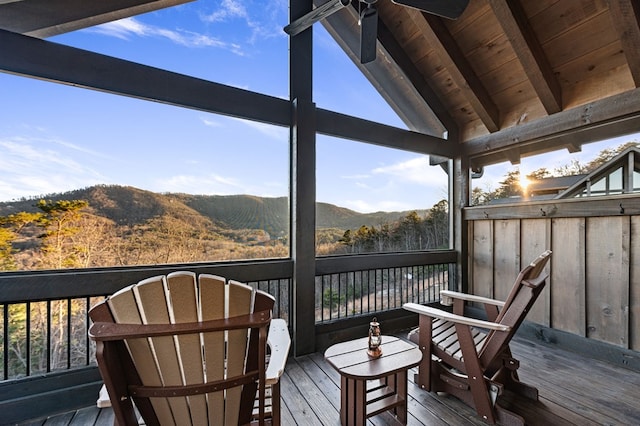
(351, 358)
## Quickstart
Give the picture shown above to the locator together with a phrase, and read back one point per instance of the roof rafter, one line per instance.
(393, 48)
(625, 15)
(437, 35)
(528, 50)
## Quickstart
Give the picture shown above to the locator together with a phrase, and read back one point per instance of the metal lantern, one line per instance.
(375, 339)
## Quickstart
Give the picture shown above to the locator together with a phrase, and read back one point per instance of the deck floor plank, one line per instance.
(63, 419)
(574, 390)
(85, 416)
(595, 389)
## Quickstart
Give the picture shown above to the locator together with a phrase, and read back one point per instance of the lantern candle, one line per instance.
(375, 339)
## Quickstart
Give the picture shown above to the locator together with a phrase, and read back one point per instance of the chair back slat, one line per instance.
(183, 308)
(240, 302)
(530, 272)
(153, 307)
(212, 307)
(518, 303)
(124, 309)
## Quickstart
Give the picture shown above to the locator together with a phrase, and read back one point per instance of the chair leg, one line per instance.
(275, 404)
(423, 378)
(508, 376)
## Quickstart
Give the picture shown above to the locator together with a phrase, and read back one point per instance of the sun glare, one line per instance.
(524, 184)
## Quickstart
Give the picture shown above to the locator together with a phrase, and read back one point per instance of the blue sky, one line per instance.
(56, 138)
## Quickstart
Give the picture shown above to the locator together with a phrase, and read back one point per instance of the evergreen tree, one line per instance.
(60, 223)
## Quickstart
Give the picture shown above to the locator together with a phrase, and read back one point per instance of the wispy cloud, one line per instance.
(228, 9)
(200, 184)
(130, 27)
(272, 132)
(216, 184)
(269, 130)
(416, 170)
(36, 167)
(210, 123)
(371, 207)
(263, 19)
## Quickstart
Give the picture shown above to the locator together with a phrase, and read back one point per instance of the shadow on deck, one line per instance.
(574, 390)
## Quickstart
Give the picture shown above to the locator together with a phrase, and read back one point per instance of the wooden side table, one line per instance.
(370, 386)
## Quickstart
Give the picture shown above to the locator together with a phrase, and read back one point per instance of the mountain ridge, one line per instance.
(128, 205)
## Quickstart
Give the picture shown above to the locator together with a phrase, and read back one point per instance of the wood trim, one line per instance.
(618, 205)
(436, 34)
(334, 265)
(613, 116)
(625, 15)
(516, 26)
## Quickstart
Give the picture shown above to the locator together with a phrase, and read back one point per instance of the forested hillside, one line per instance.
(121, 225)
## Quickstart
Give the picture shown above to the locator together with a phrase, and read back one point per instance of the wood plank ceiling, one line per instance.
(506, 64)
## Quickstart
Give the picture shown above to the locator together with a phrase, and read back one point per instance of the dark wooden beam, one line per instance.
(347, 127)
(516, 26)
(303, 182)
(616, 115)
(46, 18)
(625, 15)
(436, 35)
(32, 57)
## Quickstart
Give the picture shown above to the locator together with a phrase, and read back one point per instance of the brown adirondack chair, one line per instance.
(470, 358)
(190, 350)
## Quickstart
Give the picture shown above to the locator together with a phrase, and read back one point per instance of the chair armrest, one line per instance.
(447, 297)
(448, 316)
(279, 341)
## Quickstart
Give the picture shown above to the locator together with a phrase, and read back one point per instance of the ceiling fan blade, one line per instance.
(451, 9)
(368, 34)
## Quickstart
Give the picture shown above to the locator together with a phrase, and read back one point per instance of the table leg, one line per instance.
(344, 399)
(353, 402)
(401, 389)
(360, 402)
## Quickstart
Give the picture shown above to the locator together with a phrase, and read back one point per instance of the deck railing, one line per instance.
(343, 291)
(44, 314)
(44, 326)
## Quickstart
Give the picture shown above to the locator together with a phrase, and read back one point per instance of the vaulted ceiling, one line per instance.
(505, 80)
(509, 78)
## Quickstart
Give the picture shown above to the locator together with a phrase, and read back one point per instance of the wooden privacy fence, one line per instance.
(594, 285)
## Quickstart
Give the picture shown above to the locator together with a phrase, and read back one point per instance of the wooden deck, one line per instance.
(574, 390)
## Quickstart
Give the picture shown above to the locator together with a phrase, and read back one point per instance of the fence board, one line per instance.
(507, 256)
(568, 275)
(482, 260)
(634, 294)
(607, 242)
(536, 238)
